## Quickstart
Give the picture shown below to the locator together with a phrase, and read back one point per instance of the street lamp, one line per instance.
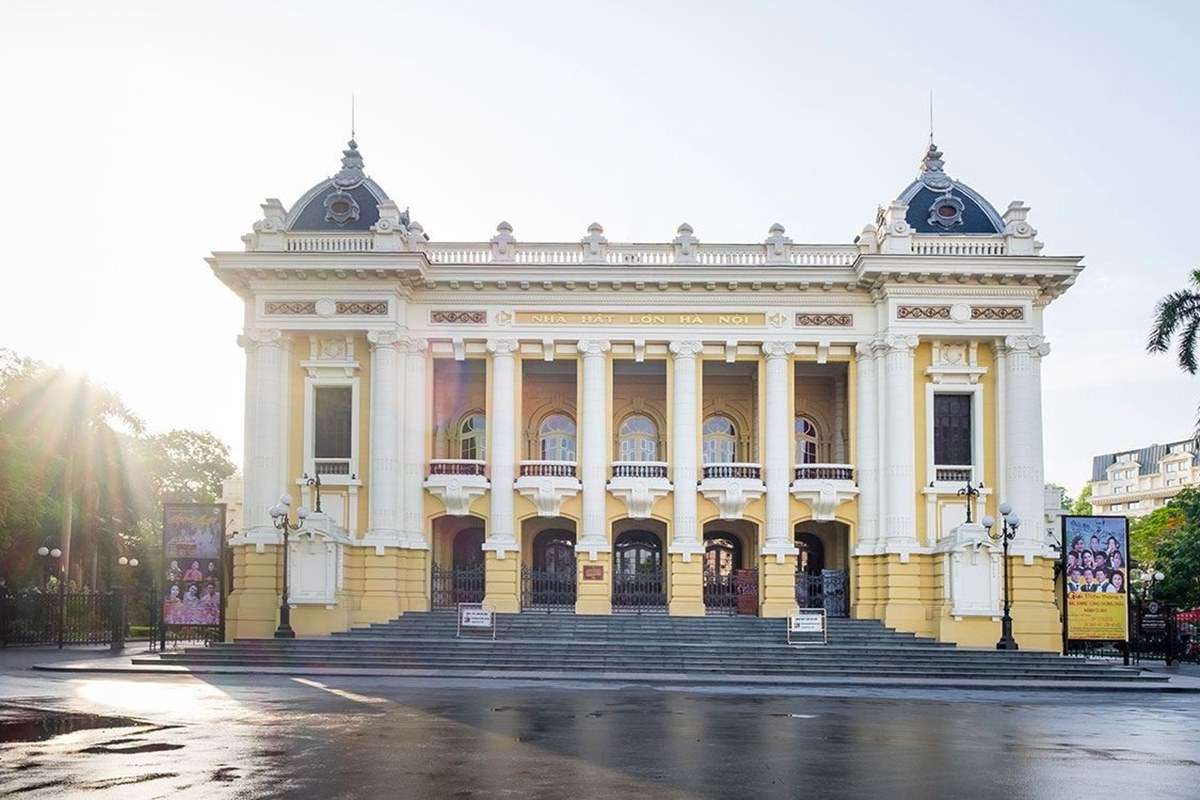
(47, 553)
(1148, 580)
(279, 516)
(970, 492)
(1008, 530)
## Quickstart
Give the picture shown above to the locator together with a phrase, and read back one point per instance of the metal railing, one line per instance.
(824, 472)
(639, 469)
(826, 590)
(643, 590)
(547, 469)
(548, 590)
(733, 470)
(456, 466)
(452, 586)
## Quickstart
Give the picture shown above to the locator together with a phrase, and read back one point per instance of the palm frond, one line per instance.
(1187, 346)
(1174, 310)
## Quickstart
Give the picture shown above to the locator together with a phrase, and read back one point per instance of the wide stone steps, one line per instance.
(716, 648)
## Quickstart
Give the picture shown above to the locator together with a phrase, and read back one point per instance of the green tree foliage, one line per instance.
(1082, 505)
(1147, 534)
(73, 456)
(1179, 313)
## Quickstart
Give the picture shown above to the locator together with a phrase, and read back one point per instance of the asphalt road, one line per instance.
(135, 736)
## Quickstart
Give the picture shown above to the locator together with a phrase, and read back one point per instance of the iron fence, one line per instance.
(452, 586)
(546, 590)
(720, 593)
(826, 590)
(639, 591)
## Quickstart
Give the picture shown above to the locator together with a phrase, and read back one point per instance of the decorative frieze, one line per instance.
(922, 312)
(454, 317)
(287, 307)
(805, 319)
(375, 308)
(998, 313)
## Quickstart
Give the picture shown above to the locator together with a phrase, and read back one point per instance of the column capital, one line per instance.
(778, 349)
(1031, 345)
(899, 343)
(594, 347)
(686, 348)
(260, 337)
(413, 344)
(384, 339)
(502, 347)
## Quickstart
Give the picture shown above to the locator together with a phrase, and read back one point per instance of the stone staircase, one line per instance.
(716, 649)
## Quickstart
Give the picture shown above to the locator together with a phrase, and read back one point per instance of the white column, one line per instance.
(684, 430)
(501, 450)
(265, 455)
(593, 423)
(778, 447)
(838, 450)
(899, 529)
(415, 433)
(1023, 437)
(385, 516)
(867, 435)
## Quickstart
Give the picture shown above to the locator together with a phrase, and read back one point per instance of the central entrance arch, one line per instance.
(457, 570)
(822, 576)
(549, 582)
(638, 578)
(730, 585)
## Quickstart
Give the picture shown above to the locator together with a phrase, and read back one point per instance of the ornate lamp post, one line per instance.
(315, 483)
(970, 492)
(47, 553)
(1148, 580)
(279, 515)
(1008, 530)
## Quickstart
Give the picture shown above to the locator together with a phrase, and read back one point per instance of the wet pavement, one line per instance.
(217, 736)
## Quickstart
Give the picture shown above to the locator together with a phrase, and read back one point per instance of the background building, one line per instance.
(1133, 483)
(599, 427)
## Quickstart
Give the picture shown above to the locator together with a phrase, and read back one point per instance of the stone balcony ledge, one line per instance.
(457, 482)
(639, 485)
(732, 486)
(548, 484)
(824, 487)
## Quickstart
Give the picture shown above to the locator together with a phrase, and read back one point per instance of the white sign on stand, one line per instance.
(475, 616)
(808, 626)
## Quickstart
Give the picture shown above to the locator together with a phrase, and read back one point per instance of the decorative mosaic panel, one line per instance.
(368, 307)
(449, 317)
(807, 320)
(923, 312)
(1000, 313)
(290, 307)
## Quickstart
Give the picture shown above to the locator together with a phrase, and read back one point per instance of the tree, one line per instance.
(1179, 312)
(1082, 505)
(1147, 534)
(1179, 560)
(188, 466)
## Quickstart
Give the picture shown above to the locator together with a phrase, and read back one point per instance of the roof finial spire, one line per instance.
(931, 117)
(352, 117)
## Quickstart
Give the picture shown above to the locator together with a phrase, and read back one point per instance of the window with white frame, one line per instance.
(720, 440)
(472, 437)
(637, 439)
(556, 438)
(806, 441)
(952, 429)
(333, 429)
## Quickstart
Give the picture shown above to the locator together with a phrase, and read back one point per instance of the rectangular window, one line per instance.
(332, 422)
(952, 429)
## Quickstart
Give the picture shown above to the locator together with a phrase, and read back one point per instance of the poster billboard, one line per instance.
(193, 564)
(1096, 578)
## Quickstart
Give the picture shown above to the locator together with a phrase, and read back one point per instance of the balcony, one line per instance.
(548, 484)
(731, 486)
(331, 466)
(639, 485)
(457, 482)
(824, 487)
(954, 473)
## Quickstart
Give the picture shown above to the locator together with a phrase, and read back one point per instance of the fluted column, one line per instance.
(867, 436)
(593, 423)
(413, 504)
(1023, 436)
(684, 430)
(384, 476)
(265, 456)
(778, 449)
(501, 451)
(899, 529)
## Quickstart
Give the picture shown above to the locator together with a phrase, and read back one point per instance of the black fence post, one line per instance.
(116, 612)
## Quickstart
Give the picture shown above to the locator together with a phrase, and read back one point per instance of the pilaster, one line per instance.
(415, 424)
(384, 476)
(593, 424)
(501, 453)
(867, 468)
(685, 538)
(899, 529)
(778, 450)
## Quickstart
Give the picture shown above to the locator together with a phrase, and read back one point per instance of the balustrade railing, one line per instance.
(953, 246)
(824, 472)
(547, 469)
(954, 473)
(332, 243)
(639, 469)
(733, 470)
(456, 466)
(331, 466)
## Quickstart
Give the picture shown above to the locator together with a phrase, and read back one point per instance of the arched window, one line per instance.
(556, 437)
(637, 553)
(722, 554)
(472, 437)
(554, 552)
(812, 553)
(638, 439)
(720, 440)
(806, 441)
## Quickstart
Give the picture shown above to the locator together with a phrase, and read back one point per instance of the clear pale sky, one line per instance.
(137, 137)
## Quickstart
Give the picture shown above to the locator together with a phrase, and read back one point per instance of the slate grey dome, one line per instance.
(939, 204)
(349, 201)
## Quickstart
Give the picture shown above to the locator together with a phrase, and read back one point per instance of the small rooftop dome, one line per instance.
(349, 201)
(939, 204)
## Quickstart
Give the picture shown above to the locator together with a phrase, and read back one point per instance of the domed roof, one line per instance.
(349, 201)
(939, 204)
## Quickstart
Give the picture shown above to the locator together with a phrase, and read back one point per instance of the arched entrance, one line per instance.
(549, 584)
(462, 581)
(729, 587)
(822, 579)
(638, 583)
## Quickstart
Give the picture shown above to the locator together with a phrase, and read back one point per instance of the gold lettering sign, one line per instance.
(640, 318)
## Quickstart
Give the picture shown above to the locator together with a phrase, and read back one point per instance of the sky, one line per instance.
(139, 137)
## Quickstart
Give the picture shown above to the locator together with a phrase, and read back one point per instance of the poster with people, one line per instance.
(192, 562)
(1096, 573)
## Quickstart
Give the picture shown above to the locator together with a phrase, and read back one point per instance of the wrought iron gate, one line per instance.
(827, 591)
(640, 591)
(720, 593)
(547, 590)
(458, 585)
